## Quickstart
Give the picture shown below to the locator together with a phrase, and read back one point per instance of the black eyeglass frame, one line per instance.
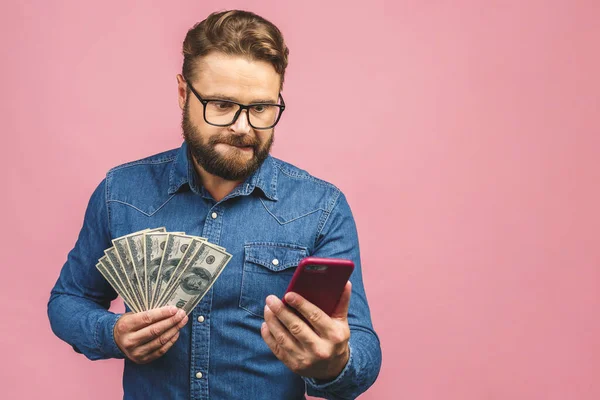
(239, 111)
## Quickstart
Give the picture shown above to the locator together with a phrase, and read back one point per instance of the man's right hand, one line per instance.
(148, 335)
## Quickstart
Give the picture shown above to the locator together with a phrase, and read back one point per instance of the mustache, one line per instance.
(239, 141)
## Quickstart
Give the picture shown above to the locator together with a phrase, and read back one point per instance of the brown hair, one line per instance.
(235, 32)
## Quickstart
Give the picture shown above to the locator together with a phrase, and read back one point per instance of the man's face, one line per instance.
(232, 152)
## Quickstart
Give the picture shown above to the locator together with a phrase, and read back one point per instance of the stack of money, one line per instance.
(154, 268)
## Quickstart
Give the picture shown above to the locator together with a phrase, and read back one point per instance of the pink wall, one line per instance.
(464, 133)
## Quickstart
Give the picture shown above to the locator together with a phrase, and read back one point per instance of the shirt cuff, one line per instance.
(338, 381)
(105, 338)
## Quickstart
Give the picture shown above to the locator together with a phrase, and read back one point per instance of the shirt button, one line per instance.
(275, 262)
(199, 375)
(201, 319)
(213, 215)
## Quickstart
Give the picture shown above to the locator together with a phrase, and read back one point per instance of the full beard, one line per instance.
(232, 167)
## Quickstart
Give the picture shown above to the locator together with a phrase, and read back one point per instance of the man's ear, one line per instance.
(181, 91)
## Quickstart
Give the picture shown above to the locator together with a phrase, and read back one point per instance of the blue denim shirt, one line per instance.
(280, 212)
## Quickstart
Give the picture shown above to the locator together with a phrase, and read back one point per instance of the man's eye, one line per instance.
(222, 105)
(259, 108)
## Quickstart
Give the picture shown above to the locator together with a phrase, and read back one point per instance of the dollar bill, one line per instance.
(120, 245)
(151, 268)
(108, 275)
(197, 277)
(113, 258)
(194, 245)
(154, 247)
(175, 248)
(135, 246)
(114, 280)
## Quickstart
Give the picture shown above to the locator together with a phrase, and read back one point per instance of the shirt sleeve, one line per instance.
(339, 239)
(79, 302)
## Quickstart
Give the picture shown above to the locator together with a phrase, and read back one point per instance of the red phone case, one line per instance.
(321, 281)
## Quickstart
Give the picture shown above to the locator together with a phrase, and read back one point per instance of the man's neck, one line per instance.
(215, 185)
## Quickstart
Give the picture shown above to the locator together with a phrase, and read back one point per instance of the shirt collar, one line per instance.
(183, 172)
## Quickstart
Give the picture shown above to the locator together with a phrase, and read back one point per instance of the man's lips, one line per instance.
(242, 147)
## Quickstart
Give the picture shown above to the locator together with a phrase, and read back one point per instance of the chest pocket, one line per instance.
(268, 269)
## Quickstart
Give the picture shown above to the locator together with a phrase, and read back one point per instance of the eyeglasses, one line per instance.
(225, 112)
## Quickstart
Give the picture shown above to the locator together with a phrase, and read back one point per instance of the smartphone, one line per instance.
(321, 281)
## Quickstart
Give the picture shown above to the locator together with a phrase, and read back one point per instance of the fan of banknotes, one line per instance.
(155, 268)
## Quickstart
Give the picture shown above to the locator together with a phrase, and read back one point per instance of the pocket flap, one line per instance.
(274, 256)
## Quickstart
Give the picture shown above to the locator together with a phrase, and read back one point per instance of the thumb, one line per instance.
(341, 310)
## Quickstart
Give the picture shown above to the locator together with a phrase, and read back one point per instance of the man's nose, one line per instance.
(241, 124)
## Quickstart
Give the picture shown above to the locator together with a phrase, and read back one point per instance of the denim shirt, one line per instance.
(279, 213)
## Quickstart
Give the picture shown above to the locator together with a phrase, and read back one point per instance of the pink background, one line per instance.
(465, 135)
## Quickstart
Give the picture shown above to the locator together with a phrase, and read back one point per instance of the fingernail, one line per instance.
(173, 310)
(291, 298)
(270, 300)
(180, 313)
(263, 326)
(267, 308)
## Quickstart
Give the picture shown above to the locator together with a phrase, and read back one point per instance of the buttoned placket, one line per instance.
(201, 315)
(200, 339)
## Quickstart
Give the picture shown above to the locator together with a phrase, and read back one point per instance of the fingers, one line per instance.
(292, 322)
(142, 345)
(297, 345)
(155, 330)
(161, 351)
(269, 339)
(138, 321)
(320, 321)
(156, 344)
(282, 336)
(341, 310)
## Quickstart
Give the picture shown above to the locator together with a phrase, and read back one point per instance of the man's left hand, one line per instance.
(320, 351)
